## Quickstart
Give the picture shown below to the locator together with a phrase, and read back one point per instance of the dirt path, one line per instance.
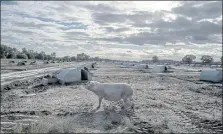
(22, 75)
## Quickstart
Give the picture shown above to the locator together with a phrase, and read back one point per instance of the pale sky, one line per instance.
(126, 30)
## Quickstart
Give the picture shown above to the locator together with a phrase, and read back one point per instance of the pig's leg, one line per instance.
(99, 105)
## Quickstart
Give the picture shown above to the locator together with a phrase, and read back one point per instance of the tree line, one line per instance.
(12, 53)
(188, 59)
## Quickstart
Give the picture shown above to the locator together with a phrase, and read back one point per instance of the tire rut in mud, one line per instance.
(205, 125)
(20, 84)
(198, 124)
(195, 123)
(211, 90)
(186, 120)
(44, 112)
(141, 126)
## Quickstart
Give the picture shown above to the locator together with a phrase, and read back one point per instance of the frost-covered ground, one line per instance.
(31, 71)
(172, 102)
(7, 67)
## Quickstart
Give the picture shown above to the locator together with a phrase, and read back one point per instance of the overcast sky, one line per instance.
(126, 30)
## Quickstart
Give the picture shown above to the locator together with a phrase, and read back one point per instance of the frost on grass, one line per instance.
(101, 121)
(164, 103)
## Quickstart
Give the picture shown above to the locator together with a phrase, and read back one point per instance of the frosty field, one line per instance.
(174, 102)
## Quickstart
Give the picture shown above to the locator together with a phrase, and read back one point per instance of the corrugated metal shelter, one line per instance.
(141, 66)
(211, 75)
(159, 69)
(68, 75)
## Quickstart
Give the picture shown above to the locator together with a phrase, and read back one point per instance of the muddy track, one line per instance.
(186, 79)
(9, 120)
(194, 123)
(195, 81)
(141, 126)
(205, 125)
(22, 75)
(187, 121)
(209, 88)
(44, 112)
(190, 119)
(22, 84)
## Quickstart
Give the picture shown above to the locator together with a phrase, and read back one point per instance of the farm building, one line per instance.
(21, 63)
(159, 69)
(166, 63)
(214, 66)
(70, 75)
(49, 80)
(11, 61)
(123, 66)
(85, 75)
(46, 62)
(168, 67)
(211, 75)
(93, 65)
(127, 65)
(198, 65)
(219, 66)
(177, 64)
(141, 66)
(204, 65)
(32, 62)
(85, 68)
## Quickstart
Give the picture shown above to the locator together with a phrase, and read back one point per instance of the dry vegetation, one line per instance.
(7, 67)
